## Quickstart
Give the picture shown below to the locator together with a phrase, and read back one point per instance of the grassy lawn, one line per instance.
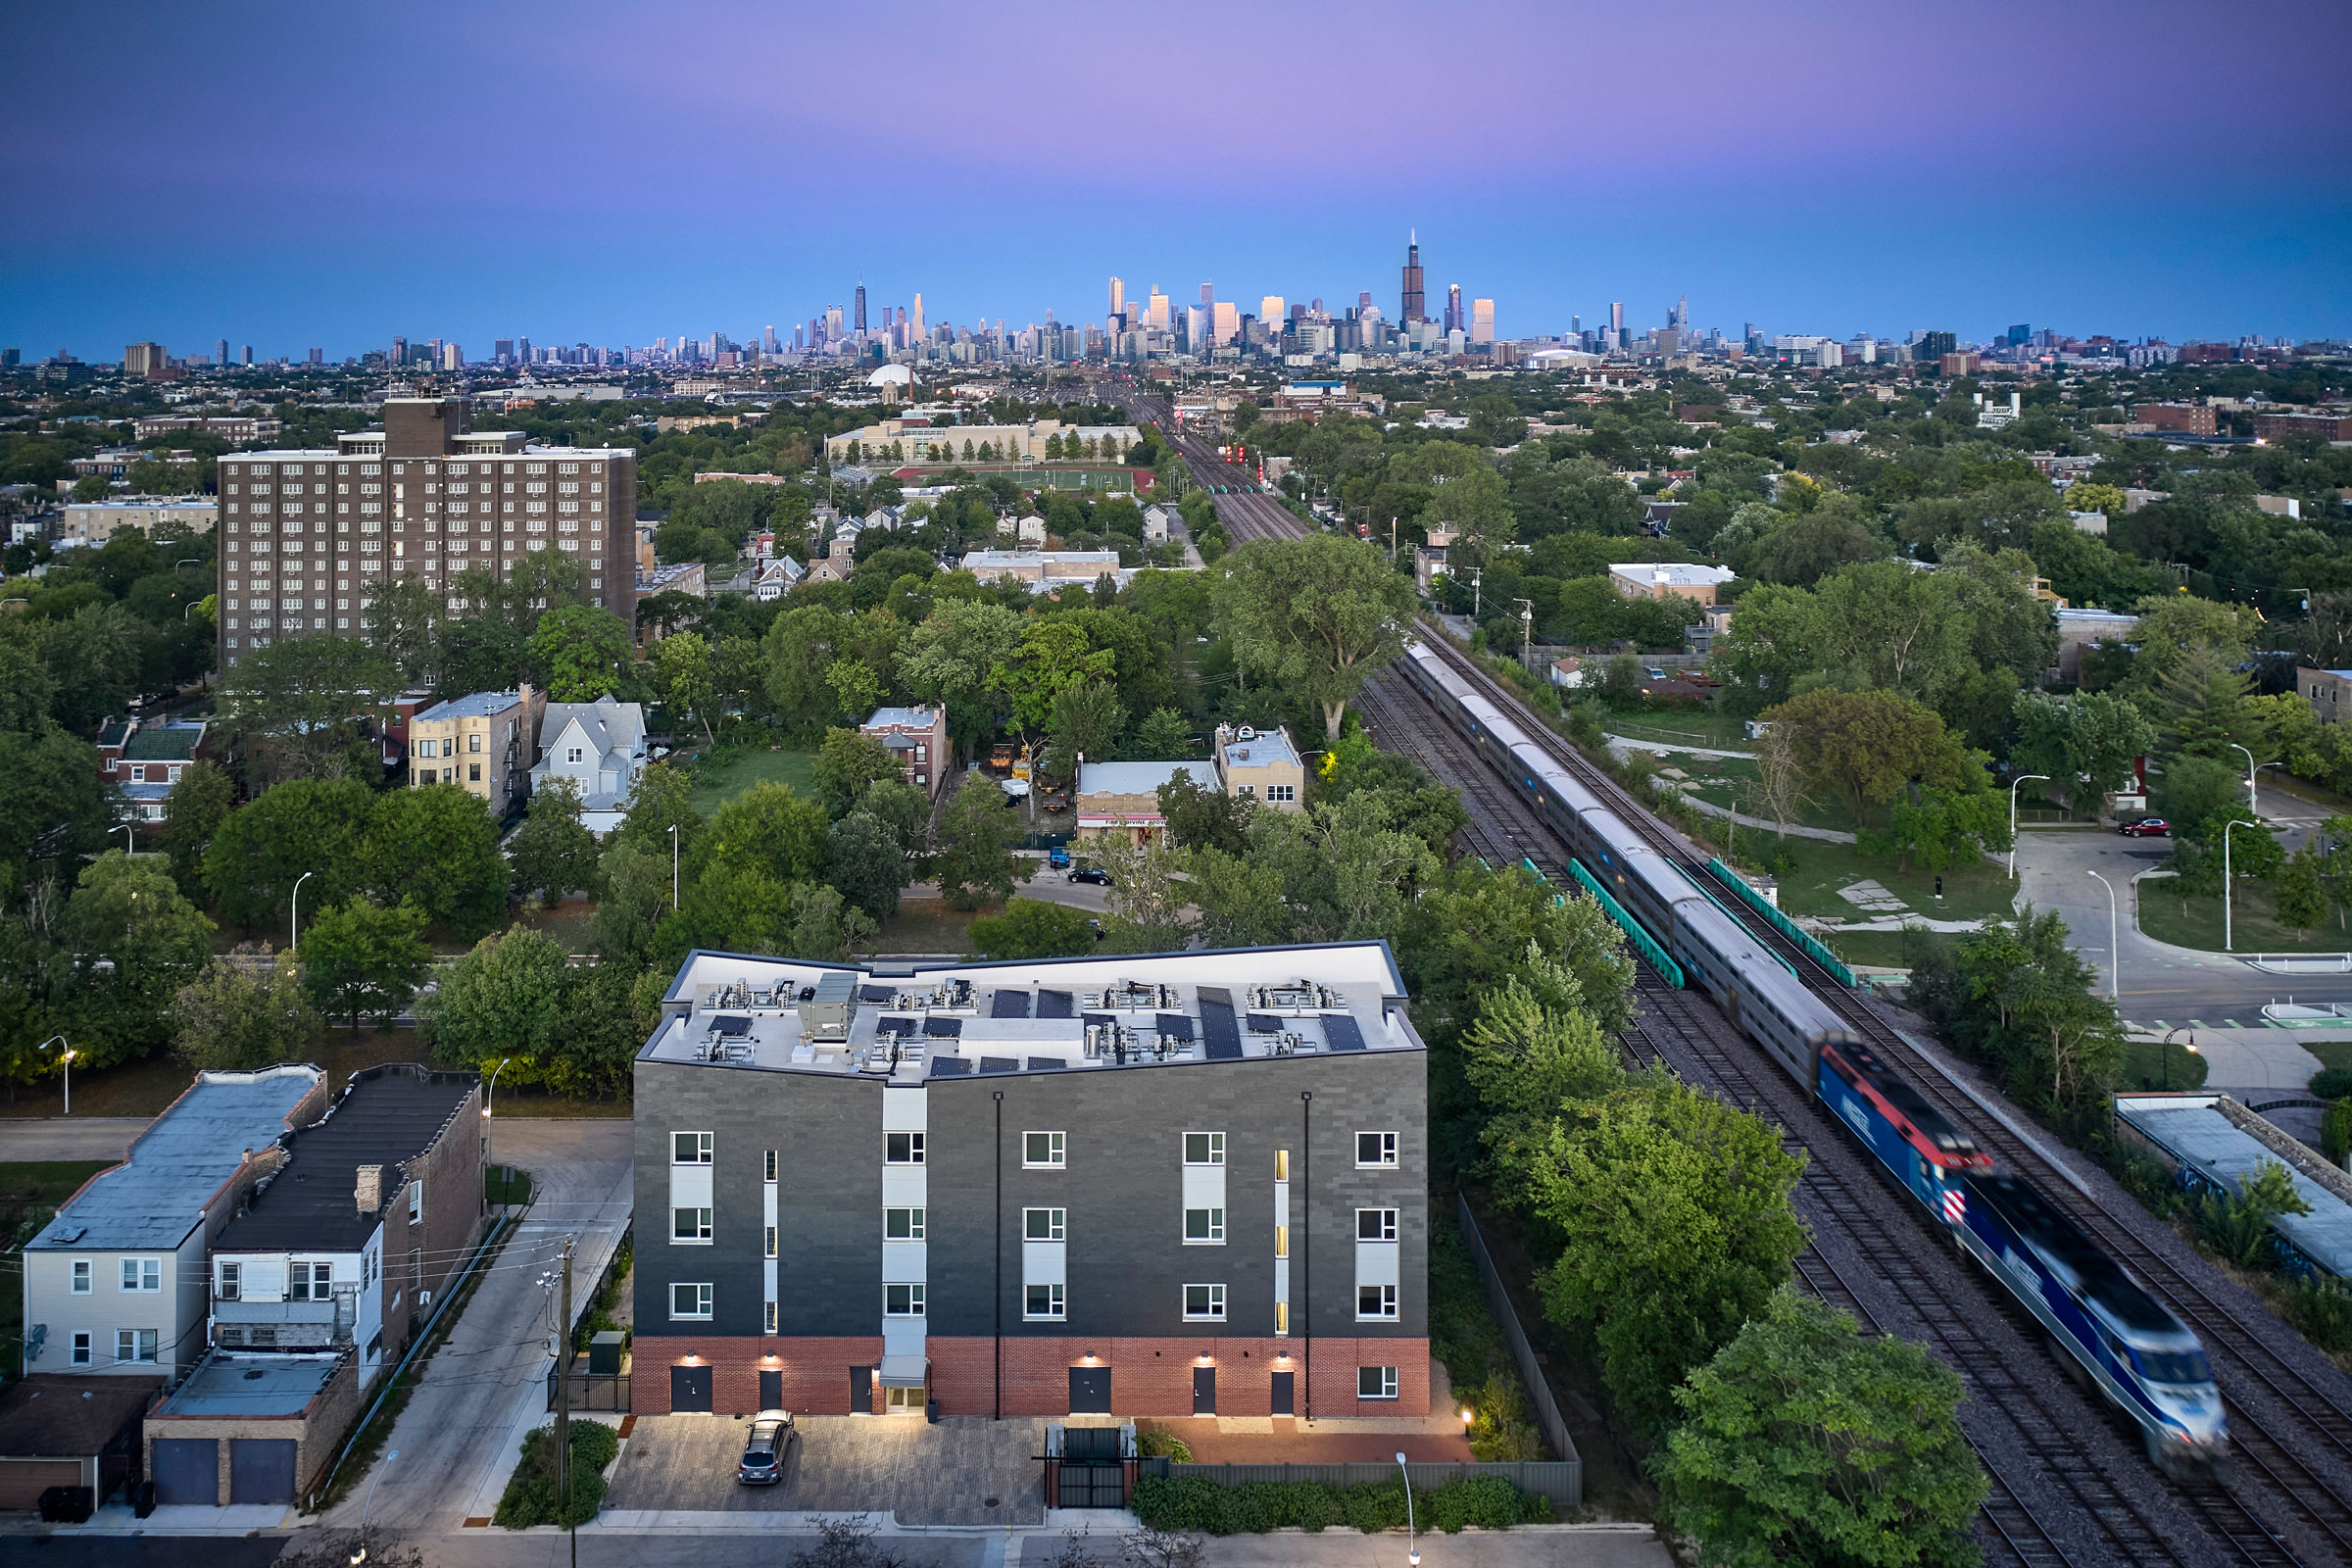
(2178, 1068)
(927, 926)
(569, 922)
(29, 1193)
(1879, 950)
(717, 783)
(1688, 726)
(2198, 923)
(1978, 892)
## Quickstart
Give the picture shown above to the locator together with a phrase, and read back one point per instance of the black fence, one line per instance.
(591, 1391)
(1523, 1355)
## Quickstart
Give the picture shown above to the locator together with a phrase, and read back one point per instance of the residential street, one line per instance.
(69, 1136)
(486, 1387)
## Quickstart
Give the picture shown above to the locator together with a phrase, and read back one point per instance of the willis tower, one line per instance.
(1412, 281)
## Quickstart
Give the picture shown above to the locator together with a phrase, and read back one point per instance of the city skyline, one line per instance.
(2137, 174)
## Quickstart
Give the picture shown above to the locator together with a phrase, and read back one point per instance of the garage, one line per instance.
(69, 1430)
(260, 1470)
(690, 1390)
(187, 1470)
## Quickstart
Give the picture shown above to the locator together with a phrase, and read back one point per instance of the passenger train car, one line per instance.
(2140, 1354)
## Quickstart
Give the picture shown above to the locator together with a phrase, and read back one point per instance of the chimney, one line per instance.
(371, 1189)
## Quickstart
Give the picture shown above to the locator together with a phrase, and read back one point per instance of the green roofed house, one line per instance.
(144, 759)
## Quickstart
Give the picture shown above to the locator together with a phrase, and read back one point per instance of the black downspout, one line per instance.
(1307, 1255)
(999, 1415)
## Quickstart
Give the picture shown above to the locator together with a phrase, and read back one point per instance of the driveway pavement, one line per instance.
(967, 1470)
(69, 1136)
(2158, 980)
(486, 1387)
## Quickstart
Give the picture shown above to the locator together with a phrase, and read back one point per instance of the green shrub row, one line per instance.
(1194, 1503)
(530, 1495)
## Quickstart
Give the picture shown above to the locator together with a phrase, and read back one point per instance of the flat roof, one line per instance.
(1671, 571)
(1144, 778)
(479, 705)
(226, 1384)
(909, 1023)
(389, 1116)
(2225, 1142)
(1265, 748)
(158, 1194)
(903, 717)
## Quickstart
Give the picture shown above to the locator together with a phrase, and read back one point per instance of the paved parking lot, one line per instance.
(926, 1475)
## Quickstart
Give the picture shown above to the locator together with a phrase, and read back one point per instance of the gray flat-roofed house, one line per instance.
(118, 1283)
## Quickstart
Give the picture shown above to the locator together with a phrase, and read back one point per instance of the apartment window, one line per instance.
(1202, 1226)
(1282, 1241)
(689, 1224)
(1375, 1149)
(690, 1148)
(770, 1166)
(901, 1301)
(81, 1276)
(1044, 1224)
(1282, 792)
(572, 755)
(311, 1282)
(1376, 1383)
(1375, 1301)
(689, 1300)
(903, 1148)
(474, 772)
(473, 742)
(1281, 1317)
(1204, 1304)
(417, 1201)
(1205, 1148)
(1044, 1151)
(769, 1325)
(904, 1224)
(1041, 1302)
(80, 1354)
(143, 1274)
(768, 1245)
(1375, 1224)
(1282, 1164)
(135, 1346)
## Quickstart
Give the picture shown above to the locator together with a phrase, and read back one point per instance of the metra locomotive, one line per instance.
(2138, 1352)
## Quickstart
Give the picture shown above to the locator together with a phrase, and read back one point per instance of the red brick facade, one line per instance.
(1147, 1377)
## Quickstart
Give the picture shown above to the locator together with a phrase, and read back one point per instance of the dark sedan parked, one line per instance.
(2148, 827)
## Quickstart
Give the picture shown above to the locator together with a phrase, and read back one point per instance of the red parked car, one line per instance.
(2148, 827)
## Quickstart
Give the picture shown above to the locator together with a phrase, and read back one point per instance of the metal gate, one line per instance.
(690, 1390)
(1093, 1484)
(188, 1470)
(260, 1470)
(1090, 1390)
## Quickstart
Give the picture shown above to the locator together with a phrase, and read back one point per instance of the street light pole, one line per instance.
(490, 1099)
(130, 842)
(2013, 784)
(359, 1556)
(674, 865)
(1412, 1553)
(2229, 940)
(2114, 955)
(294, 912)
(66, 1061)
(2253, 795)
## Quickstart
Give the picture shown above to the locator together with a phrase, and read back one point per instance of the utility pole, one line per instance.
(563, 1408)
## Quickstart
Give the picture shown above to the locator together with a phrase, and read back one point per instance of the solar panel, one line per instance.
(1339, 1028)
(1010, 1004)
(1046, 1063)
(944, 1028)
(950, 1067)
(1264, 1023)
(1000, 1064)
(1174, 1025)
(875, 992)
(894, 1024)
(730, 1025)
(1221, 1040)
(1098, 1017)
(1053, 1005)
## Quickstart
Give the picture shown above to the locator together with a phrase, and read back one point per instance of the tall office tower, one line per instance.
(248, 354)
(832, 323)
(145, 360)
(768, 340)
(859, 323)
(433, 353)
(1482, 321)
(1576, 326)
(1208, 294)
(522, 349)
(422, 497)
(1270, 311)
(915, 321)
(400, 353)
(1453, 307)
(221, 353)
(453, 357)
(1413, 300)
(1155, 310)
(1119, 296)
(1680, 316)
(1363, 300)
(1225, 322)
(318, 356)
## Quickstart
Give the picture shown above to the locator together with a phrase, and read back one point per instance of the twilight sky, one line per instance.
(289, 175)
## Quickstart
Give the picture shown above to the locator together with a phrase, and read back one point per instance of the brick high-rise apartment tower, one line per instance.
(305, 535)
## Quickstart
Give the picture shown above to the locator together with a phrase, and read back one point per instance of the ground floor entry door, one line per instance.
(690, 1390)
(1204, 1391)
(771, 1390)
(1285, 1401)
(1090, 1390)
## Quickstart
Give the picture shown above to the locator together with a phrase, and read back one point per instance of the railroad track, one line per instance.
(2295, 1484)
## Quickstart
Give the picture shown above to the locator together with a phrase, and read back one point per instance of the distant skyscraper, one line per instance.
(1453, 307)
(1118, 297)
(914, 322)
(860, 326)
(1616, 324)
(248, 353)
(1412, 302)
(1155, 310)
(1271, 311)
(1208, 294)
(221, 353)
(767, 339)
(400, 353)
(1482, 321)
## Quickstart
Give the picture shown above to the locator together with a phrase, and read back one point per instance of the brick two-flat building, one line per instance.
(306, 535)
(1160, 1185)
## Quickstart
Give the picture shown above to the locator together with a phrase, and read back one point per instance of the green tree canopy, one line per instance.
(552, 853)
(239, 1015)
(584, 652)
(506, 997)
(436, 847)
(975, 864)
(362, 960)
(1865, 747)
(1032, 928)
(1317, 616)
